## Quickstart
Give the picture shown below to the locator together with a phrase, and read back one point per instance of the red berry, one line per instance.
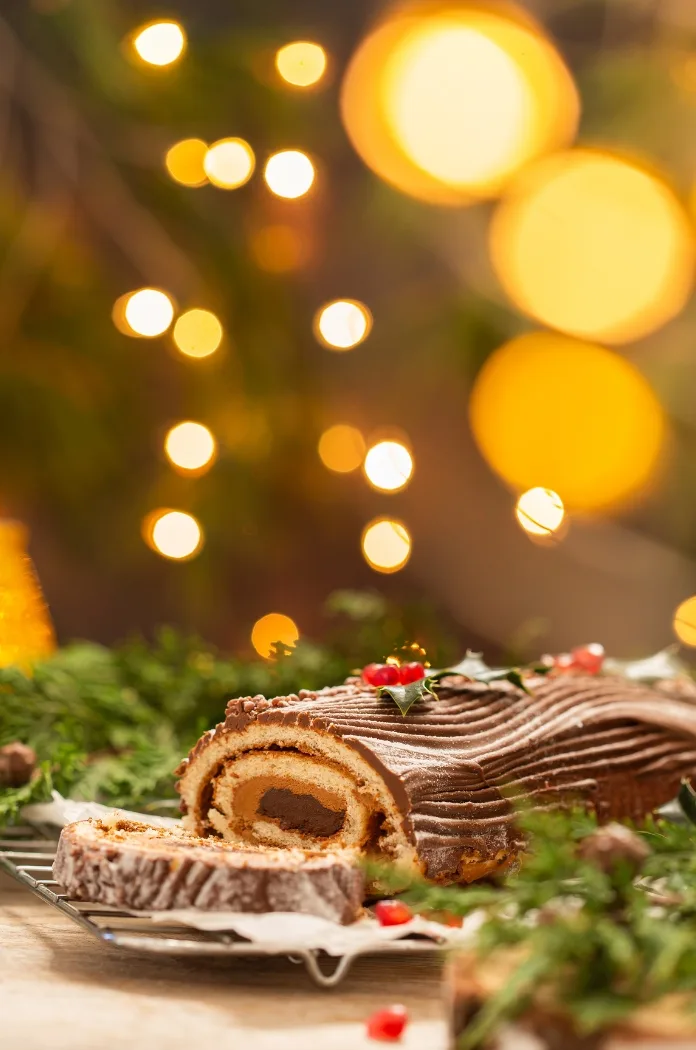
(381, 674)
(412, 672)
(387, 1025)
(564, 662)
(589, 658)
(392, 913)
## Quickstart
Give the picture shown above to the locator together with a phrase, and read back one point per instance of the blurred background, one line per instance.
(305, 297)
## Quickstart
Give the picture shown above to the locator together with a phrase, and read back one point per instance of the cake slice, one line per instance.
(343, 768)
(142, 868)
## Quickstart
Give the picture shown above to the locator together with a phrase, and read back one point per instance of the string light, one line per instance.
(593, 245)
(197, 333)
(147, 313)
(301, 63)
(575, 414)
(386, 545)
(448, 104)
(540, 511)
(173, 534)
(685, 622)
(190, 447)
(289, 174)
(184, 162)
(160, 43)
(388, 466)
(342, 324)
(271, 629)
(341, 448)
(229, 163)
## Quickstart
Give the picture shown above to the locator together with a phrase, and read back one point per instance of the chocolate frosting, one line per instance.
(453, 761)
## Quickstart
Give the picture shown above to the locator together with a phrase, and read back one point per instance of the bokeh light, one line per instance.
(595, 246)
(289, 173)
(174, 534)
(301, 63)
(342, 324)
(272, 628)
(576, 417)
(160, 43)
(279, 248)
(184, 162)
(685, 622)
(386, 545)
(229, 163)
(540, 512)
(197, 333)
(341, 448)
(448, 103)
(388, 466)
(147, 313)
(190, 447)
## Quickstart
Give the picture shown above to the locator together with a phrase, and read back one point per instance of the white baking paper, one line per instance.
(288, 932)
(61, 811)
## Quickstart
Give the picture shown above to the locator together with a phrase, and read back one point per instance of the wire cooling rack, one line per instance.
(27, 854)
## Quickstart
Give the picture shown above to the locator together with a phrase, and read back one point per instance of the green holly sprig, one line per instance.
(471, 667)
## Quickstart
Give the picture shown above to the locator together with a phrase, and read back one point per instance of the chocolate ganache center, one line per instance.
(300, 813)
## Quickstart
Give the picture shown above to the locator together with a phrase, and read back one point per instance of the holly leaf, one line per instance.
(473, 667)
(687, 800)
(665, 664)
(405, 696)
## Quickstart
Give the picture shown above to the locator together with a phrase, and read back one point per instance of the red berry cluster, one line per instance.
(583, 659)
(387, 1025)
(392, 913)
(393, 674)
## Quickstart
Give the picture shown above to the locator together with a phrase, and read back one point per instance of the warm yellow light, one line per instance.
(540, 511)
(448, 103)
(146, 313)
(341, 448)
(590, 244)
(388, 466)
(575, 416)
(27, 634)
(190, 447)
(301, 63)
(174, 534)
(685, 622)
(279, 248)
(343, 324)
(289, 173)
(184, 162)
(271, 629)
(160, 43)
(386, 545)
(197, 333)
(229, 163)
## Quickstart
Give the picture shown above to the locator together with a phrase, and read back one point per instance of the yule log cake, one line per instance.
(343, 768)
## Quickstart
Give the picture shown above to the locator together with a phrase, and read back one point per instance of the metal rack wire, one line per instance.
(27, 854)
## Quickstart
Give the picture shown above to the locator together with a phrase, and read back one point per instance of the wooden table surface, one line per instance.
(61, 990)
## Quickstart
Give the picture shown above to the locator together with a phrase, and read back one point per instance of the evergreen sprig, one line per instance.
(590, 937)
